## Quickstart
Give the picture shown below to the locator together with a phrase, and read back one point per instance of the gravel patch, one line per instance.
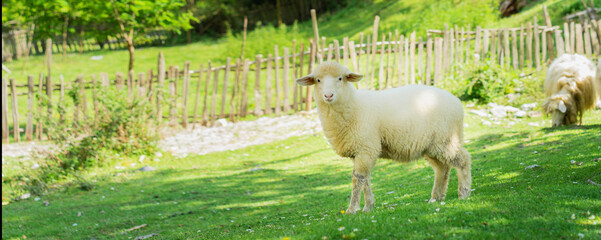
(230, 136)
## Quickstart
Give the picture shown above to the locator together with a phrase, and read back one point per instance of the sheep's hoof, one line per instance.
(432, 200)
(350, 211)
(368, 208)
(464, 193)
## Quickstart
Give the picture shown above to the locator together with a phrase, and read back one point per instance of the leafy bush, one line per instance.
(487, 81)
(122, 129)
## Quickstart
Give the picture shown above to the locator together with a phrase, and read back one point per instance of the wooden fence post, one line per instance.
(336, 51)
(507, 53)
(529, 45)
(119, 81)
(197, 97)
(514, 49)
(477, 42)
(412, 58)
(429, 59)
(159, 87)
(549, 35)
(522, 56)
(300, 72)
(258, 111)
(294, 77)
(235, 89)
(5, 133)
(30, 99)
(278, 107)
(587, 41)
(345, 51)
(420, 61)
(579, 40)
(15, 110)
(485, 41)
(573, 37)
(226, 79)
(369, 81)
(437, 60)
(286, 78)
(268, 82)
(214, 97)
(49, 95)
(243, 104)
(186, 86)
(559, 43)
(381, 69)
(205, 106)
(39, 130)
(130, 84)
(374, 41)
(536, 45)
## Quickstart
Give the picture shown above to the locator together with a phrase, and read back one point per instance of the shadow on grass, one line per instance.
(305, 199)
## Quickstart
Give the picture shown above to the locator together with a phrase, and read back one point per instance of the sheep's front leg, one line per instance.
(441, 179)
(368, 196)
(361, 171)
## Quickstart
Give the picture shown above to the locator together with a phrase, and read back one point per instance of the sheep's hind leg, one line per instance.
(441, 179)
(368, 195)
(464, 173)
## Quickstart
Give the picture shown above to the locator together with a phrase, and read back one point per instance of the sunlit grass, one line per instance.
(301, 190)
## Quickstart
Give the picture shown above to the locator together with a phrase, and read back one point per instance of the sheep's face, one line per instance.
(558, 109)
(331, 81)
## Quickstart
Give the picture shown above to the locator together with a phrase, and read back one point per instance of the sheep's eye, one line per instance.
(318, 80)
(340, 79)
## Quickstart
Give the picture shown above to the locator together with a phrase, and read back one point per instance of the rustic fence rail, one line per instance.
(201, 94)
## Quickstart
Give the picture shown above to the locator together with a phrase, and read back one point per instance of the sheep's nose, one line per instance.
(328, 96)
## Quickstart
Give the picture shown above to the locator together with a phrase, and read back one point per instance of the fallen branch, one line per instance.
(594, 183)
(136, 227)
(146, 236)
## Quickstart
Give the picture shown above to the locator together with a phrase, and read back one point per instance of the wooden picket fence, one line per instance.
(265, 85)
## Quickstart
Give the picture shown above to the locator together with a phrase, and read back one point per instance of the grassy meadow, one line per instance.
(297, 189)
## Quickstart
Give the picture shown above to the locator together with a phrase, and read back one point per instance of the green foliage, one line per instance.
(123, 128)
(490, 82)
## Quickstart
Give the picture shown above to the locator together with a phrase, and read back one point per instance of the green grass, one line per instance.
(303, 186)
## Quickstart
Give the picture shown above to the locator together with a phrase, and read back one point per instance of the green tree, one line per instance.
(137, 17)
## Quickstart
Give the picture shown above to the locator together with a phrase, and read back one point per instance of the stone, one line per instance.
(534, 166)
(222, 122)
(528, 106)
(498, 111)
(534, 114)
(146, 169)
(479, 113)
(520, 114)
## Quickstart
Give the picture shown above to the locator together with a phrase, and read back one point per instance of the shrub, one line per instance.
(487, 81)
(122, 129)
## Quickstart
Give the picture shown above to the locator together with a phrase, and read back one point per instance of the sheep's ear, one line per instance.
(306, 80)
(562, 107)
(353, 77)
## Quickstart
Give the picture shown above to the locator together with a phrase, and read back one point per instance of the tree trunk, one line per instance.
(130, 49)
(65, 38)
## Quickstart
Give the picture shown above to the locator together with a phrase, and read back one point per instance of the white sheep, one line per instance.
(402, 124)
(570, 89)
